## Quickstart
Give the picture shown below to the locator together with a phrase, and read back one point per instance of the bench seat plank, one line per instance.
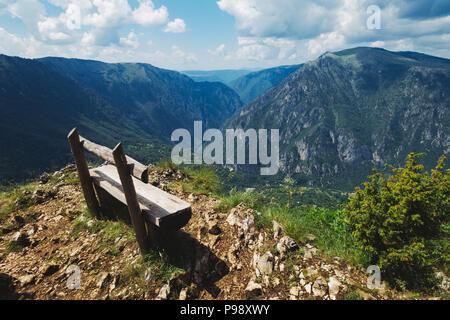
(158, 207)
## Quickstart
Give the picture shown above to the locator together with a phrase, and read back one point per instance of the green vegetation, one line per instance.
(353, 296)
(198, 179)
(329, 226)
(402, 222)
(14, 246)
(108, 103)
(87, 222)
(204, 181)
(156, 264)
(333, 140)
(251, 199)
(17, 199)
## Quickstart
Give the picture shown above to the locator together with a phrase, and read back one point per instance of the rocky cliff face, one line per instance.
(349, 111)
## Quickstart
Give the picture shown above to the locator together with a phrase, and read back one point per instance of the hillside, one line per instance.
(224, 76)
(223, 253)
(346, 112)
(253, 85)
(138, 104)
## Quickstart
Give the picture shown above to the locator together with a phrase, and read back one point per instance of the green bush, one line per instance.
(402, 222)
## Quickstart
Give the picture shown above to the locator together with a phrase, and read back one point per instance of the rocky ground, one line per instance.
(44, 248)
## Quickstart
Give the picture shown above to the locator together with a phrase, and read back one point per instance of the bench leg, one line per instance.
(83, 172)
(130, 195)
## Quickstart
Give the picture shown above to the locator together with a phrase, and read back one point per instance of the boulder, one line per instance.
(164, 292)
(333, 288)
(320, 287)
(244, 220)
(294, 291)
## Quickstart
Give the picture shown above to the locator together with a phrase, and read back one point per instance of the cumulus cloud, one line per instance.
(281, 18)
(130, 41)
(108, 13)
(29, 11)
(285, 27)
(218, 51)
(87, 28)
(420, 9)
(147, 15)
(176, 26)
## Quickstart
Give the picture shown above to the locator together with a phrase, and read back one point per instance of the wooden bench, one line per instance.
(126, 180)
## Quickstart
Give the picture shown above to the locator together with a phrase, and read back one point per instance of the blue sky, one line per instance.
(218, 34)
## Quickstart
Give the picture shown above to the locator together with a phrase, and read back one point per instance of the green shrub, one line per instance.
(402, 222)
(251, 200)
(329, 227)
(202, 180)
(353, 296)
(167, 164)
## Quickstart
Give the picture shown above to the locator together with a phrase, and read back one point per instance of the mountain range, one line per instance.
(253, 85)
(348, 111)
(224, 76)
(42, 99)
(339, 115)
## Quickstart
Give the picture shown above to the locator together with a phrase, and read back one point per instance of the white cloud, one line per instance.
(130, 41)
(281, 18)
(325, 42)
(11, 44)
(108, 13)
(84, 28)
(146, 14)
(29, 11)
(307, 28)
(176, 26)
(88, 39)
(220, 50)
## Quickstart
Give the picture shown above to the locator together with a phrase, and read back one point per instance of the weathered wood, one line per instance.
(130, 196)
(136, 168)
(158, 207)
(83, 172)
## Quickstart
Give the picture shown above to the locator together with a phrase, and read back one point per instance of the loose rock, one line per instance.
(265, 264)
(253, 288)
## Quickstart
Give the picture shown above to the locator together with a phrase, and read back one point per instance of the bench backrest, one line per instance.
(137, 169)
(126, 168)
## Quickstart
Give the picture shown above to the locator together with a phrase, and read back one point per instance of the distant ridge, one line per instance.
(253, 85)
